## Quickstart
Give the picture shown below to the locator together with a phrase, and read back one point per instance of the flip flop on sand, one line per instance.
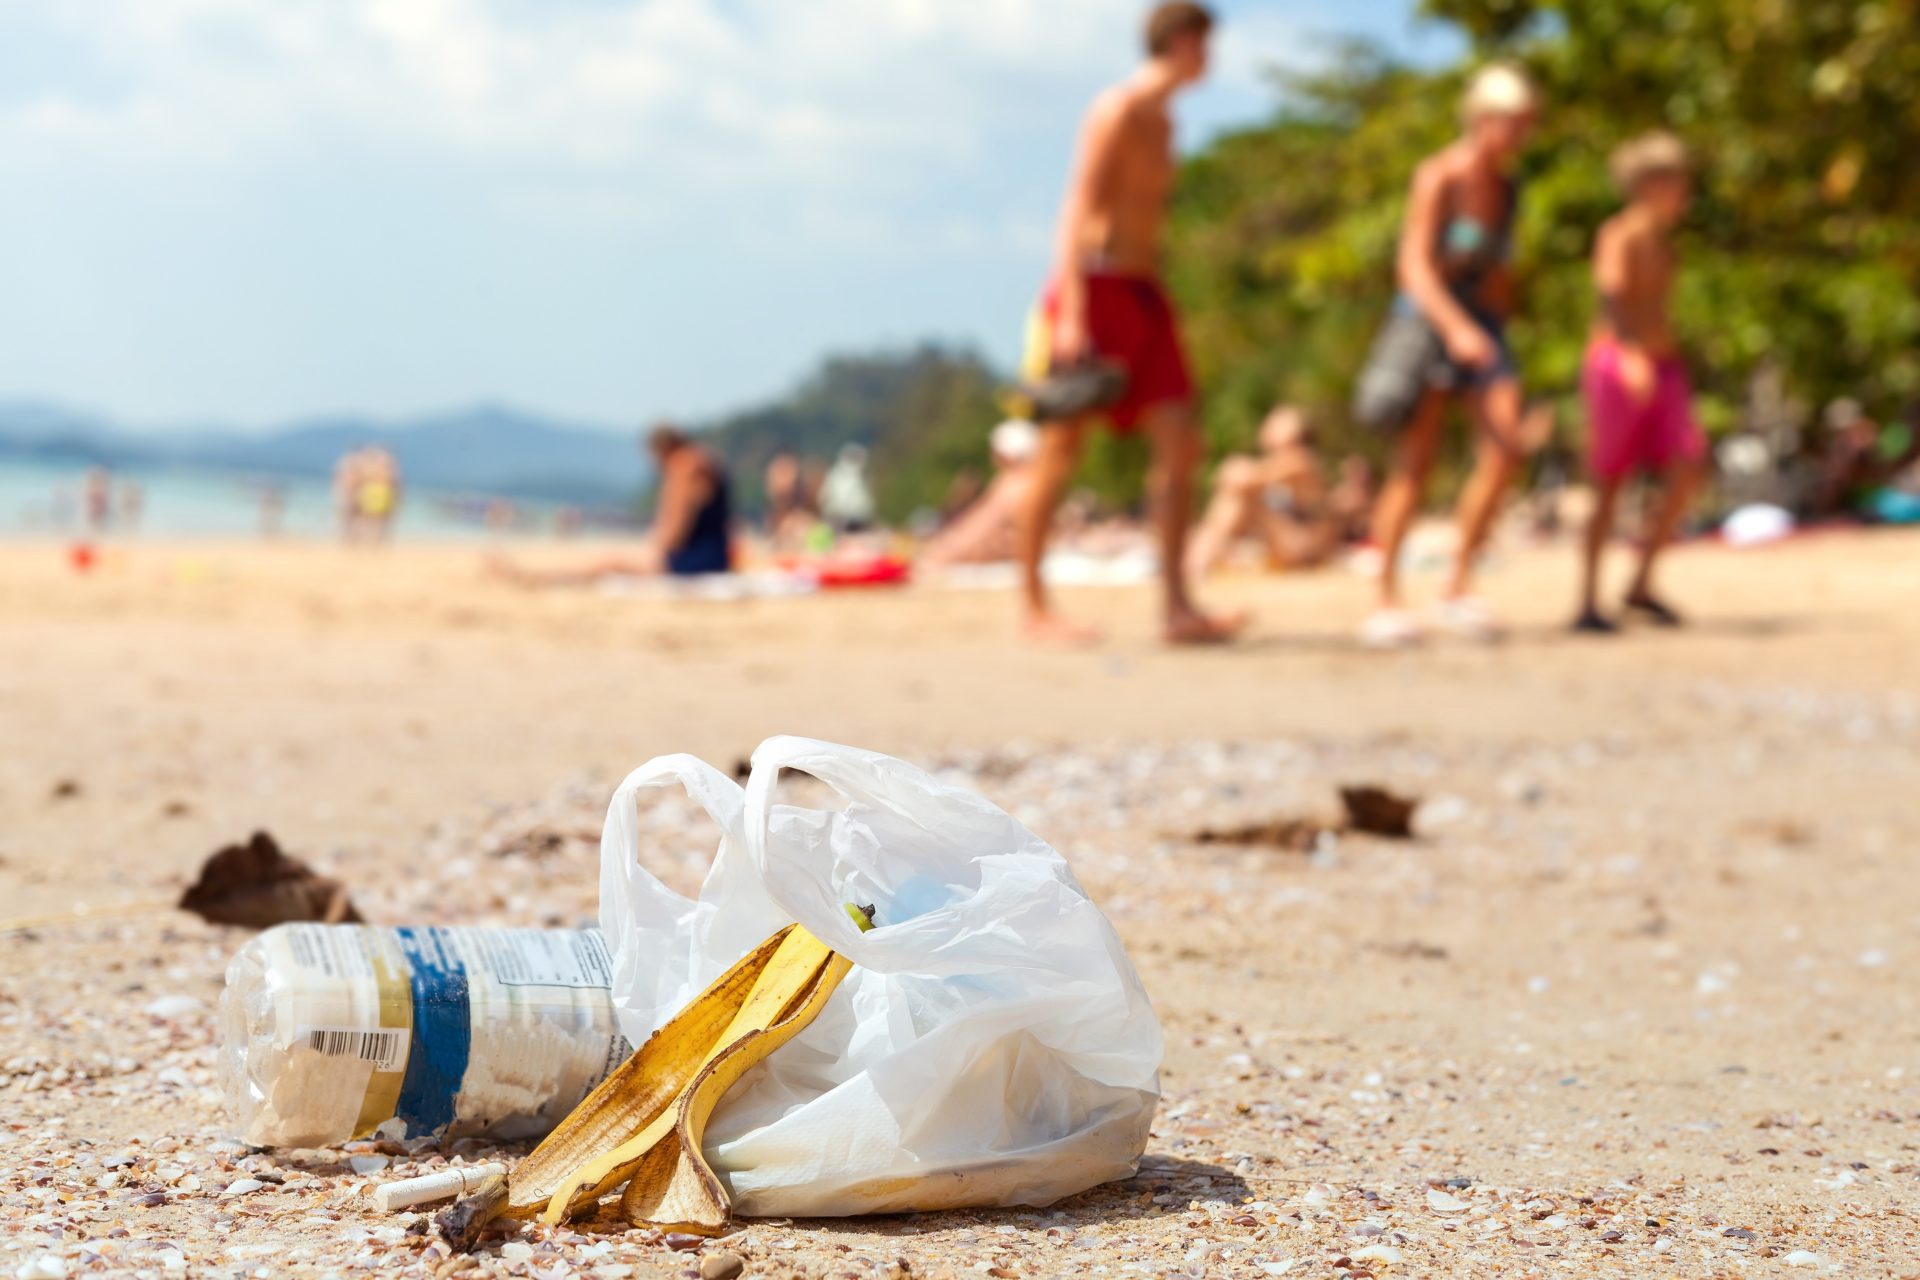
(1592, 622)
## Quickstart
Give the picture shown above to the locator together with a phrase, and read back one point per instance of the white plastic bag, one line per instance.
(992, 1045)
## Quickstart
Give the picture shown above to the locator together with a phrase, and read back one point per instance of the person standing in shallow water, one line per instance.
(1639, 400)
(1445, 343)
(1105, 303)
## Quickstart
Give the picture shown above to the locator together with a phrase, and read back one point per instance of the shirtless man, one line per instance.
(1639, 402)
(1105, 302)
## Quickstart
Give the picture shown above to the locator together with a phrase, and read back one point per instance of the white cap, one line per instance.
(1499, 89)
(1016, 440)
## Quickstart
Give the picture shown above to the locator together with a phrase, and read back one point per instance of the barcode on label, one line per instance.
(381, 1048)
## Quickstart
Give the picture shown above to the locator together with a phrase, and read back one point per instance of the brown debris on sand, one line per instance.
(462, 1223)
(1295, 835)
(1377, 811)
(1369, 810)
(257, 886)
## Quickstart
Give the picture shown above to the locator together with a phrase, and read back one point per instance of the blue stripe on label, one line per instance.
(442, 1030)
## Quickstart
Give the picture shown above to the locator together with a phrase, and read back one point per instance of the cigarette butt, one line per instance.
(433, 1186)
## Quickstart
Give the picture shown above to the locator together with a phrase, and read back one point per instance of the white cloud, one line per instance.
(257, 207)
(772, 85)
(827, 105)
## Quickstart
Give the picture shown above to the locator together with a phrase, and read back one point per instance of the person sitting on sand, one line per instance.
(846, 500)
(791, 511)
(1352, 498)
(1105, 306)
(692, 531)
(1280, 496)
(1639, 401)
(983, 532)
(1854, 465)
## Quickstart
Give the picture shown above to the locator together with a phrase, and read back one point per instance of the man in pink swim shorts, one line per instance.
(1639, 401)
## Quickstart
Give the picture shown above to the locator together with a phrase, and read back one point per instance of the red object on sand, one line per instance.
(830, 572)
(877, 571)
(82, 557)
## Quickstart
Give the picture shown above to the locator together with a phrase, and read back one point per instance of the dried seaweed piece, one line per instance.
(1377, 811)
(257, 886)
(1295, 835)
(1370, 810)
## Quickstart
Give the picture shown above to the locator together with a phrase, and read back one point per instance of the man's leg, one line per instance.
(1052, 467)
(1496, 456)
(1175, 437)
(1606, 501)
(1681, 482)
(1405, 486)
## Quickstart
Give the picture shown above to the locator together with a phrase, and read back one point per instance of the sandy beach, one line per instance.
(1636, 1001)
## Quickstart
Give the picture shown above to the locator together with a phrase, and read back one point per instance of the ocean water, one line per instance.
(37, 499)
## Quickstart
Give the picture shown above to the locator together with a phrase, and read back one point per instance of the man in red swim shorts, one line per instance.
(1639, 402)
(1105, 303)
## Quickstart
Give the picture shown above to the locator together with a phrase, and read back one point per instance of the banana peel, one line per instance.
(643, 1125)
(797, 967)
(672, 1187)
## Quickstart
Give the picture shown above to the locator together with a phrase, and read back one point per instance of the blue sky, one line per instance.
(246, 211)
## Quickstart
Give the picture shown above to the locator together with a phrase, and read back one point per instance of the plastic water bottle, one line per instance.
(334, 1032)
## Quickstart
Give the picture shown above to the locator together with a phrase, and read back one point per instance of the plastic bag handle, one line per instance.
(622, 905)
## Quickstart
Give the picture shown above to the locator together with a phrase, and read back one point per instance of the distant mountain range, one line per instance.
(487, 449)
(924, 412)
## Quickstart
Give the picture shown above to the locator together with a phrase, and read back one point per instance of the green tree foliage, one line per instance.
(1804, 247)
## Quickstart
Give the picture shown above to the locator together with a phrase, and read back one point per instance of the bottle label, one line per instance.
(384, 1049)
(442, 1039)
(448, 1030)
